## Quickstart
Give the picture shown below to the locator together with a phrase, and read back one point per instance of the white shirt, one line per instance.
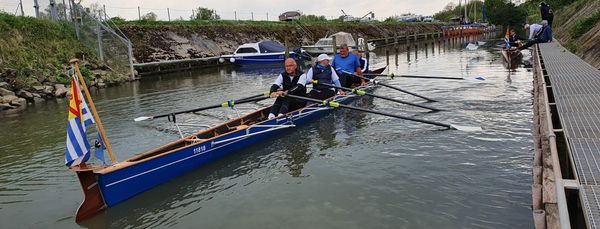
(279, 80)
(533, 29)
(366, 64)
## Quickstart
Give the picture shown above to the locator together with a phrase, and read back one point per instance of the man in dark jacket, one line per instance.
(287, 83)
(546, 12)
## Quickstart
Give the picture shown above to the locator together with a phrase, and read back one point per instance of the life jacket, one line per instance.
(363, 61)
(291, 83)
(322, 75)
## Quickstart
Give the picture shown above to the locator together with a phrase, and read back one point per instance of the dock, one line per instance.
(566, 165)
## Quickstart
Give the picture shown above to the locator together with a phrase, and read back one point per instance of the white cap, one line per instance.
(323, 57)
(526, 26)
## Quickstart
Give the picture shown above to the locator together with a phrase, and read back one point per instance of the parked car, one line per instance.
(290, 16)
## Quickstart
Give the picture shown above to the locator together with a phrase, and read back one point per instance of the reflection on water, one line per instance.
(345, 170)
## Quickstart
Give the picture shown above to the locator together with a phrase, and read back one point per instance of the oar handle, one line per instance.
(335, 104)
(376, 82)
(361, 92)
(230, 103)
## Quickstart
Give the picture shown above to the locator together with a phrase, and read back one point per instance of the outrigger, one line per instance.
(107, 186)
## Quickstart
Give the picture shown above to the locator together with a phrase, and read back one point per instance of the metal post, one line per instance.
(252, 15)
(21, 6)
(64, 10)
(334, 45)
(53, 10)
(130, 53)
(235, 15)
(99, 36)
(140, 14)
(169, 14)
(37, 8)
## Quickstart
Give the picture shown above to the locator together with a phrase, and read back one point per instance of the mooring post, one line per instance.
(287, 48)
(387, 56)
(334, 45)
(396, 54)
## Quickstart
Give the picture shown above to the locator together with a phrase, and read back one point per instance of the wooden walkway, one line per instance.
(573, 91)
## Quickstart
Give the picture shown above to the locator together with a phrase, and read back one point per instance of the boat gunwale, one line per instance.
(128, 163)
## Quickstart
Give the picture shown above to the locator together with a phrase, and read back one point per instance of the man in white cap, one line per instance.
(533, 29)
(322, 72)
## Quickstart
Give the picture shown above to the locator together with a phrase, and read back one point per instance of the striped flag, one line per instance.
(79, 118)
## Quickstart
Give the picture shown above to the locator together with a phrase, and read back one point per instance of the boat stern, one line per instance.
(93, 202)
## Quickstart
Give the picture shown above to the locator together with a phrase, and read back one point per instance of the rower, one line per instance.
(514, 38)
(322, 72)
(347, 64)
(533, 29)
(287, 83)
(364, 63)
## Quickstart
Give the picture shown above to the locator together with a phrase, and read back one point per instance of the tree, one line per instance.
(149, 17)
(205, 14)
(503, 12)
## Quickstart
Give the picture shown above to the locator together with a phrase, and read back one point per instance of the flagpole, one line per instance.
(75, 64)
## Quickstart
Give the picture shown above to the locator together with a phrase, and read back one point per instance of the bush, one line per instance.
(584, 25)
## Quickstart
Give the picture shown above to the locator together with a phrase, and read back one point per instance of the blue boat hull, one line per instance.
(136, 175)
(275, 59)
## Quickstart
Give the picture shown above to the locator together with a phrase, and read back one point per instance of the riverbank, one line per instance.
(161, 41)
(34, 57)
(35, 52)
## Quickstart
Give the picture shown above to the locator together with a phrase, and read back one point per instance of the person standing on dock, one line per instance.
(322, 72)
(546, 12)
(288, 82)
(364, 63)
(545, 35)
(347, 64)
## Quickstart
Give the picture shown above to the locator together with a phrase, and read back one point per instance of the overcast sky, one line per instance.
(226, 8)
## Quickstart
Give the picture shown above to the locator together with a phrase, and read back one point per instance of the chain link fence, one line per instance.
(92, 29)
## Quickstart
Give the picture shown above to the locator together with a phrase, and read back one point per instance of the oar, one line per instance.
(230, 103)
(361, 92)
(336, 105)
(376, 82)
(424, 77)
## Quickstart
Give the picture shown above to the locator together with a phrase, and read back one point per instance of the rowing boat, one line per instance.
(512, 57)
(107, 186)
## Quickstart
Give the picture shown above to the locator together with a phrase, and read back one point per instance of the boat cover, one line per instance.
(270, 47)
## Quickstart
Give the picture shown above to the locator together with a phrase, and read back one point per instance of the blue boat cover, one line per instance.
(270, 47)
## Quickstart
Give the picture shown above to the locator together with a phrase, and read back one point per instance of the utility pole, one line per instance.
(104, 11)
(267, 16)
(235, 15)
(252, 15)
(37, 8)
(21, 6)
(169, 14)
(139, 14)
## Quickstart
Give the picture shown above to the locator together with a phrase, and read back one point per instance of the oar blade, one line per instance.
(466, 128)
(143, 118)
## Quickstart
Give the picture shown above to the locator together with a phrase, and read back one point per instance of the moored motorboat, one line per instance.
(260, 53)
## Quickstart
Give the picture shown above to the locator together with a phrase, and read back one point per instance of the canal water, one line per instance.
(346, 170)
